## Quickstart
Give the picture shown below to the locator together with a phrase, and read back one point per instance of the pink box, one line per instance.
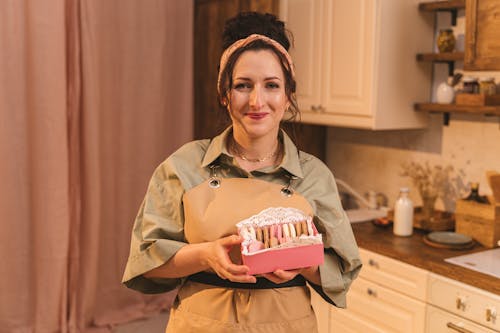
(280, 238)
(284, 258)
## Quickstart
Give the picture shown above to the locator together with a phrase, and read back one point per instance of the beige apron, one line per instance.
(212, 213)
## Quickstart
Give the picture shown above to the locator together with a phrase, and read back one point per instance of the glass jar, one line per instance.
(474, 194)
(446, 40)
(487, 86)
(470, 85)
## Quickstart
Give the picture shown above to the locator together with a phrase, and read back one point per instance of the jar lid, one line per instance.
(487, 79)
(446, 30)
(404, 189)
(469, 79)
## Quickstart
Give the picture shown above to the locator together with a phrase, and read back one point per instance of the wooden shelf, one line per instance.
(441, 57)
(441, 5)
(451, 6)
(471, 109)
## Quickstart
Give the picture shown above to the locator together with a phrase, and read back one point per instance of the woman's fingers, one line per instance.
(230, 241)
(221, 263)
(287, 275)
(235, 273)
(281, 276)
(243, 278)
(273, 278)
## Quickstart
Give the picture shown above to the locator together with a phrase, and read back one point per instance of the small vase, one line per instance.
(446, 40)
(445, 93)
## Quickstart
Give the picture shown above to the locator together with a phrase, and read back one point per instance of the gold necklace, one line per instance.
(254, 160)
(257, 160)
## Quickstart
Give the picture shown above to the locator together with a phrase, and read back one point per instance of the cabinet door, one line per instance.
(482, 51)
(439, 321)
(348, 46)
(372, 308)
(303, 19)
(333, 56)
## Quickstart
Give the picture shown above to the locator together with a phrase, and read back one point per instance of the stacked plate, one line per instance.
(448, 240)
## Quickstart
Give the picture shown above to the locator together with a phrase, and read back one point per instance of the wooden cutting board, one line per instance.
(494, 182)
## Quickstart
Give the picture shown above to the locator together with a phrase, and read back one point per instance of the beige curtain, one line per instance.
(93, 95)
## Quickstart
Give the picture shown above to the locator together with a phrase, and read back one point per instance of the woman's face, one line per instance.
(257, 100)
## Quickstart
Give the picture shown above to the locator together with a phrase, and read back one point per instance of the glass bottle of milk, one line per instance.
(403, 214)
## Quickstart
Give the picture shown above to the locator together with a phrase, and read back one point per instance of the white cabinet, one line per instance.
(374, 308)
(388, 296)
(462, 305)
(356, 61)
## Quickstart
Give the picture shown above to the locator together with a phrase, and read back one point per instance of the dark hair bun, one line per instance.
(247, 23)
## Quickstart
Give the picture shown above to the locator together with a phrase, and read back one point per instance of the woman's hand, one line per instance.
(216, 256)
(281, 276)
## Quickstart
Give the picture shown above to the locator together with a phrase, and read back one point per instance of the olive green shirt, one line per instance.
(158, 231)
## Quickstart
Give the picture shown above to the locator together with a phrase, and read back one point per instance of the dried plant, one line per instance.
(434, 181)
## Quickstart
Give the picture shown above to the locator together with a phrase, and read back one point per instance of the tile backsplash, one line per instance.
(371, 160)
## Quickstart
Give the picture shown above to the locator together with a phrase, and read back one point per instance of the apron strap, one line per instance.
(262, 283)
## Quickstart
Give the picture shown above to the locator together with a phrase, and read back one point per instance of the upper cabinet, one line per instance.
(482, 35)
(355, 61)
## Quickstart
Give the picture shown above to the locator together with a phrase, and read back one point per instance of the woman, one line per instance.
(185, 233)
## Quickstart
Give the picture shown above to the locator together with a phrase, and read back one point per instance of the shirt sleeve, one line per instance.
(342, 262)
(158, 232)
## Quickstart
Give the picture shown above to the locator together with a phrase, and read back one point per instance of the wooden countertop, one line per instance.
(412, 250)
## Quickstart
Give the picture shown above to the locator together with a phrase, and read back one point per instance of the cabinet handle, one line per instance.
(373, 263)
(460, 303)
(458, 328)
(317, 108)
(491, 314)
(371, 292)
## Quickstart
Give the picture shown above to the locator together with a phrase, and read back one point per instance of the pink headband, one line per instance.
(244, 42)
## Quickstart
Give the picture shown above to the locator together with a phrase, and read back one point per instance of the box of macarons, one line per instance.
(279, 238)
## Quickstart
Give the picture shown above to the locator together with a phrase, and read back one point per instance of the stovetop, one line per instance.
(487, 262)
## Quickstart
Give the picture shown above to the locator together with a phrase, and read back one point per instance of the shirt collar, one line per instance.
(290, 163)
(291, 160)
(216, 148)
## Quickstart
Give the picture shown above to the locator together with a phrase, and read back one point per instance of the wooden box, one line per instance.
(480, 221)
(440, 221)
(477, 99)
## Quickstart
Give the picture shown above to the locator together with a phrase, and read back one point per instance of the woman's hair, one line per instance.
(245, 24)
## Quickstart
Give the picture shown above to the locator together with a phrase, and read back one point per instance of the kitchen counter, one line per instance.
(412, 250)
